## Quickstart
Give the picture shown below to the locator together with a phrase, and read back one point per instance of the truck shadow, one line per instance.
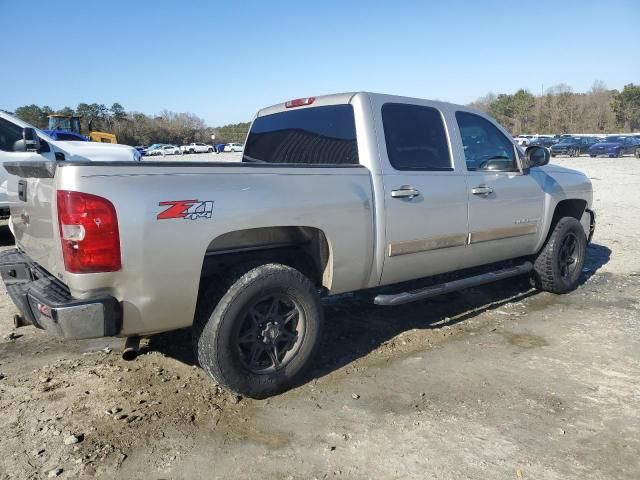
(354, 327)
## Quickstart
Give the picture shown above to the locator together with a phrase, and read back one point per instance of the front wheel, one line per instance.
(558, 266)
(258, 337)
(620, 154)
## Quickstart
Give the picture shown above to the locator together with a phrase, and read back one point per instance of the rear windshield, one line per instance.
(317, 135)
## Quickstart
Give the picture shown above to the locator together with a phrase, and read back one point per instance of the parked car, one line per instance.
(543, 141)
(615, 146)
(219, 147)
(165, 150)
(196, 148)
(150, 148)
(20, 141)
(523, 140)
(154, 149)
(233, 147)
(572, 146)
(392, 190)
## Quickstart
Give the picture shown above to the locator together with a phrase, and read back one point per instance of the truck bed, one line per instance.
(163, 254)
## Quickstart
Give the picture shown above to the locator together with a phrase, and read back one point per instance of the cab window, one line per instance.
(415, 137)
(485, 147)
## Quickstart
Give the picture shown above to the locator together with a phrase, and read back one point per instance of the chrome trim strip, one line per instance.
(505, 232)
(426, 244)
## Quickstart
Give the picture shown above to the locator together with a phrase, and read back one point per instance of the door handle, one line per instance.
(22, 190)
(482, 190)
(405, 191)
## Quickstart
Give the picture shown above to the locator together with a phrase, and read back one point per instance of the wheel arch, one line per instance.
(304, 248)
(571, 207)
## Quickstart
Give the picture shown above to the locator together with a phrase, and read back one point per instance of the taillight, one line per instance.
(89, 233)
(300, 102)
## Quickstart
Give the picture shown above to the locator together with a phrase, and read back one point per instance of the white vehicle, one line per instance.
(21, 141)
(523, 140)
(233, 147)
(165, 150)
(196, 148)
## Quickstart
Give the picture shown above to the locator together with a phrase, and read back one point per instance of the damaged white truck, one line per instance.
(334, 194)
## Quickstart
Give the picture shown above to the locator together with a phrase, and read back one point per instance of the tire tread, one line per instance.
(543, 266)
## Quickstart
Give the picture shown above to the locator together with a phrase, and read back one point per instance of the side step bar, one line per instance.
(435, 290)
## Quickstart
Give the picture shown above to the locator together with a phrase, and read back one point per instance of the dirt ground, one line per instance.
(497, 382)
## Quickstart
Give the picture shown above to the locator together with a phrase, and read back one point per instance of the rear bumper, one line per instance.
(46, 303)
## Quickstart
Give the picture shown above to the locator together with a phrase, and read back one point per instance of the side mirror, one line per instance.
(537, 156)
(30, 141)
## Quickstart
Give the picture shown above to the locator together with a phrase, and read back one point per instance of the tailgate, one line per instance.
(31, 191)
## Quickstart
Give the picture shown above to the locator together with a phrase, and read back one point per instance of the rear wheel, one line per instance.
(258, 337)
(210, 150)
(558, 265)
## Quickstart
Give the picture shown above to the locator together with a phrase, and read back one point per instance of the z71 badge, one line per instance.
(189, 209)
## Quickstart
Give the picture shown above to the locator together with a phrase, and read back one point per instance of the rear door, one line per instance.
(424, 192)
(31, 198)
(505, 203)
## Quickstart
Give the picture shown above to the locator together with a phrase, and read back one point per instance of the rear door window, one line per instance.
(415, 137)
(316, 135)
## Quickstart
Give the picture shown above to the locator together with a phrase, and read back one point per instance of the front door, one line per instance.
(505, 203)
(425, 196)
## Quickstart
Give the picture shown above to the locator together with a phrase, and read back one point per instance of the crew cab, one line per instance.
(15, 146)
(196, 148)
(354, 192)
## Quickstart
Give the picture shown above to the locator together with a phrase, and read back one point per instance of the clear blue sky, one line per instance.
(222, 60)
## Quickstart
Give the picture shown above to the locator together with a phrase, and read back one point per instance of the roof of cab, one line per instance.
(321, 100)
(342, 98)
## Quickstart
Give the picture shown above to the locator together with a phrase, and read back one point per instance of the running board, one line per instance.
(446, 287)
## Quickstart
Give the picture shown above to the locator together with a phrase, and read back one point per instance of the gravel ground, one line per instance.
(494, 382)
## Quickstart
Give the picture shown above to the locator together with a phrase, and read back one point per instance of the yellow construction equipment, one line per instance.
(67, 127)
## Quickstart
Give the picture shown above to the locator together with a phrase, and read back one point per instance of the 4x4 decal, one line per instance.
(189, 209)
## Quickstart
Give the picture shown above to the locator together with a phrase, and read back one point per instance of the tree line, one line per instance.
(557, 110)
(136, 128)
(560, 110)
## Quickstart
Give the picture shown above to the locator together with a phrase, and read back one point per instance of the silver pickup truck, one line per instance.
(340, 193)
